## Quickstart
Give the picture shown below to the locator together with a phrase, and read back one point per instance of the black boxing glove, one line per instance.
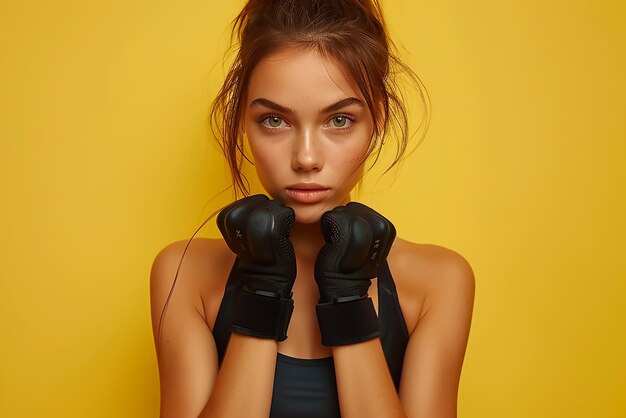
(357, 239)
(257, 230)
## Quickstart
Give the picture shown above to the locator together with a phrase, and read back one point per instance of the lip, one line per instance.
(307, 192)
(307, 186)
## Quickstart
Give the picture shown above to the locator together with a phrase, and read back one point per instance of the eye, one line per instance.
(271, 121)
(341, 121)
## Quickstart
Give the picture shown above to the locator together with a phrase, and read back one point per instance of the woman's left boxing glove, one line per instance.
(357, 239)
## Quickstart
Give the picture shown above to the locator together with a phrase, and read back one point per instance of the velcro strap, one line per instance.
(262, 316)
(347, 322)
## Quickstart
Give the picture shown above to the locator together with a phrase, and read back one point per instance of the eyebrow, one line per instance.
(348, 101)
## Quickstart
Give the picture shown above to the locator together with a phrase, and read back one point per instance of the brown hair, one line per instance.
(352, 33)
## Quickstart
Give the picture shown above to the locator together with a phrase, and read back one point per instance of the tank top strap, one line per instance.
(221, 328)
(394, 333)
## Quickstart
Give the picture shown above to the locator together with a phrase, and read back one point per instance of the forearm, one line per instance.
(364, 384)
(243, 386)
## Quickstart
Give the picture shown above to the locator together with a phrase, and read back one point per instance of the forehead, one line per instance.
(292, 75)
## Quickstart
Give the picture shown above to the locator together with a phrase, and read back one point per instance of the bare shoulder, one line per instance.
(427, 274)
(195, 258)
(200, 267)
(429, 258)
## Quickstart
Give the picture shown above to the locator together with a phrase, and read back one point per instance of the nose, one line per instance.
(306, 153)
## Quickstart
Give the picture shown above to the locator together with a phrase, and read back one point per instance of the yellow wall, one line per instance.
(105, 159)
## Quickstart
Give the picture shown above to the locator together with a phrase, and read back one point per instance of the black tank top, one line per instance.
(307, 387)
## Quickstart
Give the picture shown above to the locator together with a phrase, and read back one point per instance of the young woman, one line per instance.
(310, 306)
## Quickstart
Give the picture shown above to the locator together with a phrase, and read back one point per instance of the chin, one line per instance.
(309, 214)
(304, 219)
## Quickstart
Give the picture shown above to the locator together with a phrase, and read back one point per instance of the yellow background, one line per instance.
(106, 159)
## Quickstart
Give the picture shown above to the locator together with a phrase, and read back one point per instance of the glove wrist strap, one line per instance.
(348, 322)
(263, 316)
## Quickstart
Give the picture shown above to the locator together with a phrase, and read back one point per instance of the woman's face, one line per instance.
(305, 123)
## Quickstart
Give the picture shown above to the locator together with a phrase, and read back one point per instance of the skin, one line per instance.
(305, 146)
(435, 285)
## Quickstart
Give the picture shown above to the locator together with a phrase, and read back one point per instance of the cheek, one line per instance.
(351, 163)
(260, 156)
(353, 155)
(267, 161)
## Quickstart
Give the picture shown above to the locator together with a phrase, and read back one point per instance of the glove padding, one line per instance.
(357, 239)
(257, 230)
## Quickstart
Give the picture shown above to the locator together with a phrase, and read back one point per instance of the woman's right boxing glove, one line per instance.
(257, 230)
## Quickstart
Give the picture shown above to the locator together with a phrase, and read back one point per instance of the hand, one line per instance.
(357, 239)
(257, 230)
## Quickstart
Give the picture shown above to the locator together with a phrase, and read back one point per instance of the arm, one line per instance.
(436, 349)
(433, 357)
(357, 239)
(365, 391)
(249, 365)
(190, 383)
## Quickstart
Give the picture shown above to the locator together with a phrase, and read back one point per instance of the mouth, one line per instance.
(307, 195)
